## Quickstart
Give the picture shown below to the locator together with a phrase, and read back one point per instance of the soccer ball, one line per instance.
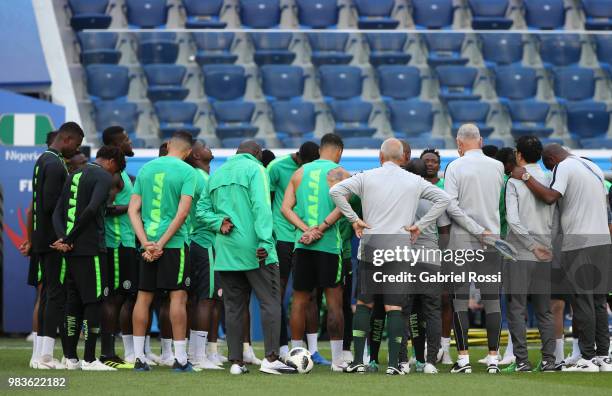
(300, 359)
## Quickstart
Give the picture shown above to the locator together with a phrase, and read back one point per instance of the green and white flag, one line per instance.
(24, 129)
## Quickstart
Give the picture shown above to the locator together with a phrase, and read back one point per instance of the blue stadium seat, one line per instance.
(432, 14)
(176, 115)
(157, 51)
(214, 47)
(529, 118)
(116, 113)
(445, 49)
(329, 48)
(546, 141)
(493, 142)
(573, 83)
(411, 118)
(165, 82)
(596, 143)
(427, 142)
(489, 14)
(352, 118)
(89, 14)
(234, 119)
(146, 14)
(598, 14)
(375, 14)
(317, 14)
(235, 142)
(203, 14)
(295, 141)
(462, 111)
(293, 118)
(107, 82)
(340, 82)
(399, 82)
(156, 35)
(457, 82)
(515, 82)
(587, 119)
(501, 48)
(560, 49)
(362, 143)
(98, 48)
(224, 82)
(544, 14)
(260, 14)
(272, 48)
(603, 44)
(282, 82)
(387, 49)
(137, 142)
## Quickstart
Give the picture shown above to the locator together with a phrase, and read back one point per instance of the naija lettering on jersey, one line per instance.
(119, 228)
(72, 201)
(155, 214)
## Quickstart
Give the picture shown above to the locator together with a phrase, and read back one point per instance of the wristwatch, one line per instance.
(526, 176)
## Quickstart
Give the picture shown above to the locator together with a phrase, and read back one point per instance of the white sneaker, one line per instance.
(583, 366)
(485, 360)
(430, 369)
(167, 361)
(96, 365)
(214, 358)
(249, 357)
(221, 358)
(604, 363)
(338, 367)
(206, 364)
(276, 367)
(347, 356)
(30, 337)
(47, 362)
(405, 367)
(237, 369)
(34, 363)
(507, 359)
(572, 359)
(154, 360)
(73, 364)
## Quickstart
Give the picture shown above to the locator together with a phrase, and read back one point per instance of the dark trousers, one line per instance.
(426, 309)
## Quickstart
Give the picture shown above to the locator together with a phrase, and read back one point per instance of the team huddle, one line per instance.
(108, 250)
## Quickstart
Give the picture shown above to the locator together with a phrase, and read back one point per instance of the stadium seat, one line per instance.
(340, 82)
(272, 48)
(260, 14)
(157, 51)
(351, 118)
(317, 14)
(462, 111)
(115, 113)
(573, 83)
(295, 141)
(596, 143)
(107, 82)
(515, 82)
(234, 119)
(224, 82)
(98, 48)
(235, 142)
(89, 14)
(165, 82)
(410, 118)
(529, 118)
(598, 14)
(137, 142)
(501, 48)
(329, 48)
(399, 82)
(457, 82)
(432, 14)
(603, 44)
(544, 14)
(282, 82)
(587, 119)
(427, 142)
(387, 49)
(489, 14)
(156, 35)
(203, 14)
(445, 49)
(176, 115)
(362, 143)
(146, 14)
(375, 14)
(493, 142)
(560, 49)
(214, 47)
(293, 118)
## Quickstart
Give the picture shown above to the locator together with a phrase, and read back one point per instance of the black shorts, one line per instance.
(395, 299)
(53, 269)
(89, 276)
(314, 269)
(170, 272)
(559, 285)
(204, 280)
(284, 251)
(122, 269)
(35, 271)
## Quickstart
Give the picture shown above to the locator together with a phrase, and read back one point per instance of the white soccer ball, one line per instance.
(300, 359)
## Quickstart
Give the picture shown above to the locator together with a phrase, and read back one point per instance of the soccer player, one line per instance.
(530, 224)
(389, 197)
(50, 173)
(245, 258)
(431, 157)
(318, 245)
(158, 208)
(78, 221)
(577, 185)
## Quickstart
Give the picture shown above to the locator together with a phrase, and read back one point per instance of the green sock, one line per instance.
(361, 328)
(395, 330)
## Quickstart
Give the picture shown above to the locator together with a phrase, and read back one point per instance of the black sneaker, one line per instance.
(523, 367)
(141, 366)
(182, 368)
(355, 368)
(457, 369)
(115, 362)
(493, 368)
(394, 371)
(550, 367)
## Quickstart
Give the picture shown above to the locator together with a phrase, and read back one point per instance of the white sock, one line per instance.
(166, 348)
(139, 347)
(246, 347)
(313, 342)
(297, 344)
(211, 348)
(47, 346)
(200, 345)
(128, 345)
(445, 343)
(336, 351)
(191, 348)
(34, 344)
(180, 352)
(39, 346)
(509, 349)
(147, 345)
(462, 360)
(575, 348)
(559, 352)
(284, 349)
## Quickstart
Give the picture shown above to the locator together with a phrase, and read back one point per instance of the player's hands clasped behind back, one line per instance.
(311, 235)
(61, 246)
(358, 226)
(25, 247)
(542, 253)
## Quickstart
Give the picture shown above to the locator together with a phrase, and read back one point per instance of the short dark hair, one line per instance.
(505, 155)
(417, 166)
(267, 156)
(185, 136)
(112, 153)
(431, 151)
(111, 133)
(163, 149)
(490, 150)
(331, 139)
(530, 148)
(71, 127)
(308, 152)
(51, 137)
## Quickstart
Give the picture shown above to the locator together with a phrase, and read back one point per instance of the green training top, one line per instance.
(502, 210)
(161, 183)
(346, 228)
(440, 183)
(200, 234)
(313, 205)
(119, 228)
(280, 171)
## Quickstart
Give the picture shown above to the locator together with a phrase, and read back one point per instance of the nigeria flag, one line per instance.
(24, 129)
